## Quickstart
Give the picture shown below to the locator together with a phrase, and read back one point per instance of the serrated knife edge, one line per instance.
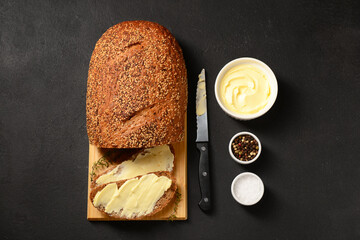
(201, 114)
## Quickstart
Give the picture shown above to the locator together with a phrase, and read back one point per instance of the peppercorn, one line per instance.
(245, 147)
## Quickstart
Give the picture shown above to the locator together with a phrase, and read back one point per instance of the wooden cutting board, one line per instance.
(180, 172)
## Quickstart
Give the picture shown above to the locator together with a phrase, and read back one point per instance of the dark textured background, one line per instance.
(310, 163)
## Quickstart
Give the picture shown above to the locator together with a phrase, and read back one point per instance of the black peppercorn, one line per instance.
(245, 147)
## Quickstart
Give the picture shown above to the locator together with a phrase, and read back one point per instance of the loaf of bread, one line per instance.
(159, 205)
(137, 87)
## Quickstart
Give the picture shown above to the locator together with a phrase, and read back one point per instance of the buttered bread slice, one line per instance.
(156, 159)
(135, 198)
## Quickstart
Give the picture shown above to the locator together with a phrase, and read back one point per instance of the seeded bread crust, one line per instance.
(137, 87)
(161, 203)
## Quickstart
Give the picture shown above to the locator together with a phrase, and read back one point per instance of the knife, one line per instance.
(202, 140)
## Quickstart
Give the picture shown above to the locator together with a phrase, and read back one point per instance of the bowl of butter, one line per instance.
(246, 88)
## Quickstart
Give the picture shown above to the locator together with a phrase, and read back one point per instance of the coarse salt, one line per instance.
(248, 189)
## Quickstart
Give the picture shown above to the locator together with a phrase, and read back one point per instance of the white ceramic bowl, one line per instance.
(238, 160)
(247, 188)
(272, 81)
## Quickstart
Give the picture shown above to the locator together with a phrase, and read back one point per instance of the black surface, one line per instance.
(310, 162)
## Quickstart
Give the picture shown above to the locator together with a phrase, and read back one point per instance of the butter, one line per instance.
(201, 97)
(154, 159)
(136, 197)
(245, 89)
(105, 195)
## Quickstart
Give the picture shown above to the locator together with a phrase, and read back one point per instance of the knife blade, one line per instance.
(202, 140)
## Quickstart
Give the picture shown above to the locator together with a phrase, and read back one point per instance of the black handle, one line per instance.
(204, 176)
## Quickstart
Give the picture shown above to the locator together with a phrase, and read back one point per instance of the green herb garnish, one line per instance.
(172, 217)
(102, 162)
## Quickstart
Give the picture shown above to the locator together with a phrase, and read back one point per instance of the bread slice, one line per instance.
(160, 204)
(137, 88)
(120, 168)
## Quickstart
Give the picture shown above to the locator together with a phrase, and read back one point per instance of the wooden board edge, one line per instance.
(89, 181)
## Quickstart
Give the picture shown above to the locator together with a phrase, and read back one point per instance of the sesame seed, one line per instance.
(137, 87)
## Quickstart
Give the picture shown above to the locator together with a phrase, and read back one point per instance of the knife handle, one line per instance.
(204, 176)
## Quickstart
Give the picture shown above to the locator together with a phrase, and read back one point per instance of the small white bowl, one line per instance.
(272, 81)
(247, 188)
(238, 160)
